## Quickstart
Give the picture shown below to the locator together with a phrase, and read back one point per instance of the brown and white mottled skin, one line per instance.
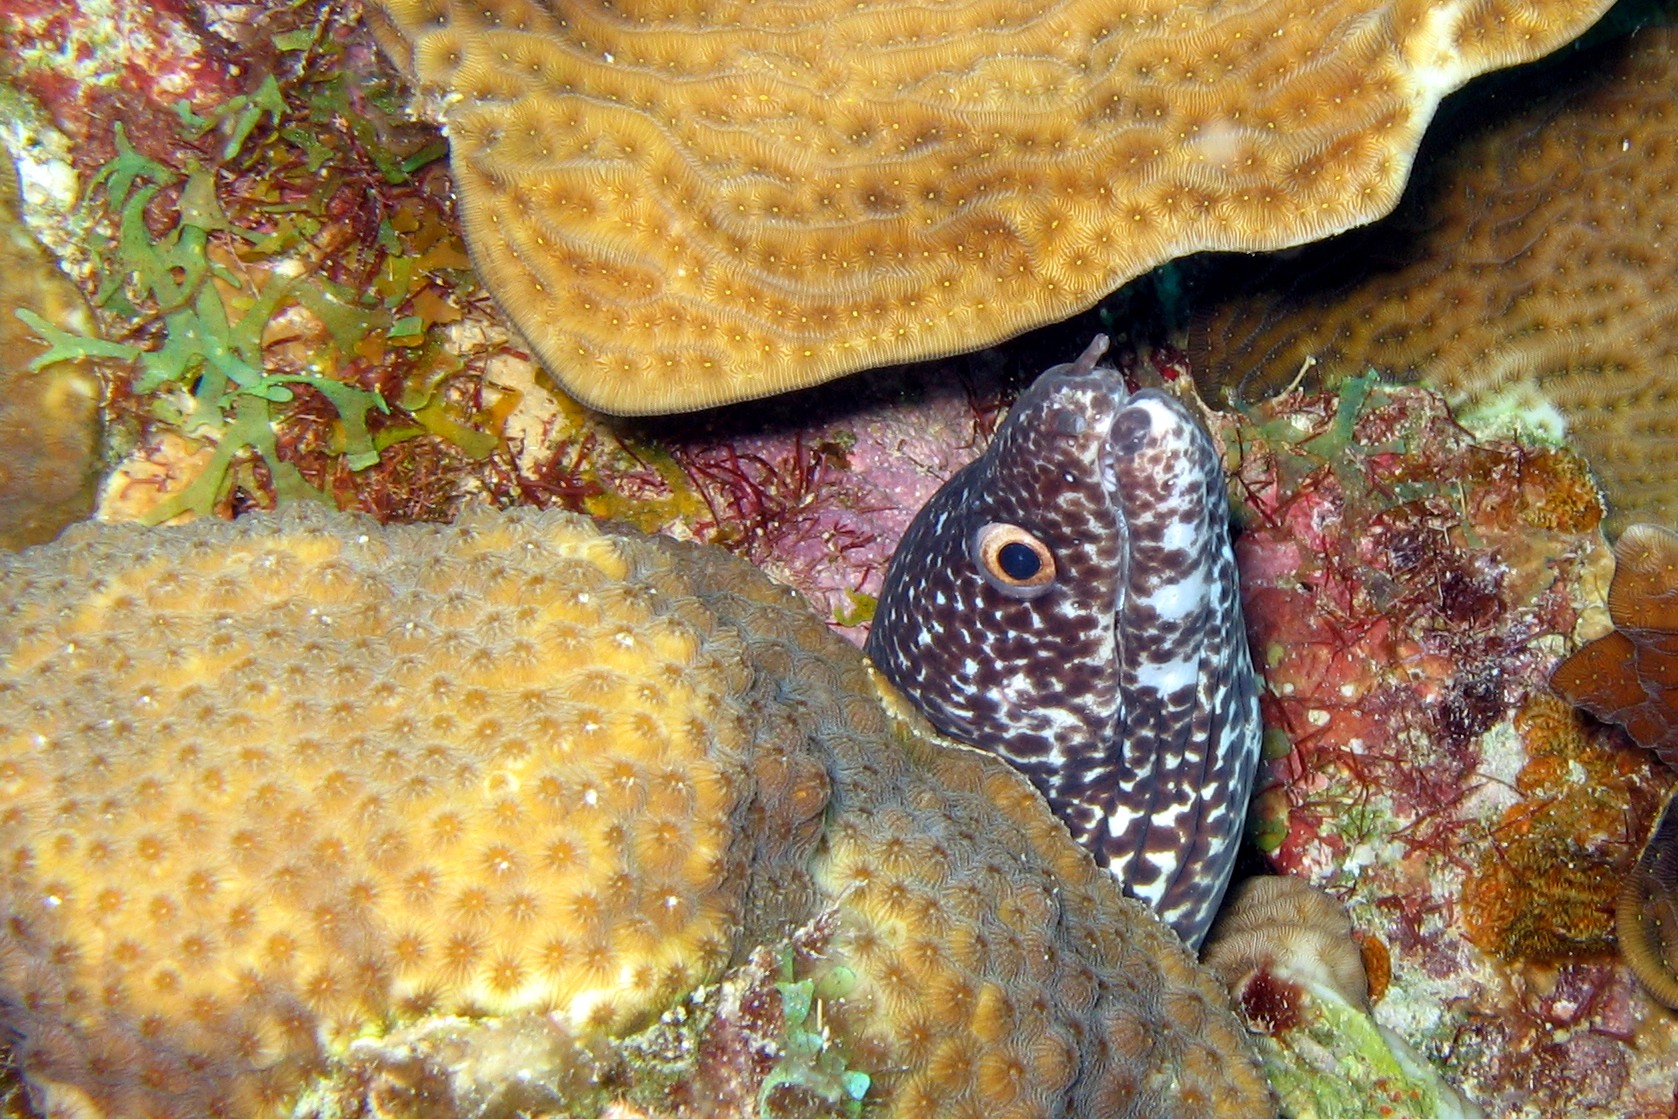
(1107, 659)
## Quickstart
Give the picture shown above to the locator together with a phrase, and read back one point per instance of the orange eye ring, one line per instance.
(1013, 560)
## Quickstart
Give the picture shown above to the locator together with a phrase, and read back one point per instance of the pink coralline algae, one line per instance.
(821, 504)
(131, 60)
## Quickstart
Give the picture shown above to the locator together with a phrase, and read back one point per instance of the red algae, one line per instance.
(1394, 622)
(1409, 585)
(128, 60)
(271, 254)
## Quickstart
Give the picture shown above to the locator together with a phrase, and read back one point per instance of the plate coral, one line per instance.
(685, 204)
(1527, 273)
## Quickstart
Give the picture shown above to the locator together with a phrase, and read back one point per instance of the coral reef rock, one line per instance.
(686, 204)
(1408, 587)
(272, 788)
(49, 419)
(1527, 270)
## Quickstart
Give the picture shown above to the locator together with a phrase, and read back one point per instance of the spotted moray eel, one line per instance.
(1069, 602)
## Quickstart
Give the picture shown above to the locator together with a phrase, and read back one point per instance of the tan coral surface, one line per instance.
(682, 204)
(1532, 270)
(271, 785)
(49, 420)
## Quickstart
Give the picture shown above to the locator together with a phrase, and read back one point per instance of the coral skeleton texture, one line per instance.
(1526, 274)
(684, 204)
(272, 786)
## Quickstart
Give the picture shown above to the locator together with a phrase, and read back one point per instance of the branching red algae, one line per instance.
(1407, 584)
(274, 266)
(1394, 578)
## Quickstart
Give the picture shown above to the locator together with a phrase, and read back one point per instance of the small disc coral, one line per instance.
(273, 786)
(1630, 675)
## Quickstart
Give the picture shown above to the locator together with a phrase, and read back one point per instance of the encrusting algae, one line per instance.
(271, 786)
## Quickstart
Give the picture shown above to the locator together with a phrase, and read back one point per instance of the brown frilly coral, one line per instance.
(1630, 675)
(1528, 269)
(1646, 917)
(686, 204)
(271, 790)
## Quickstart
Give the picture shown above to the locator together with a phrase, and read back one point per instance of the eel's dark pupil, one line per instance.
(1018, 561)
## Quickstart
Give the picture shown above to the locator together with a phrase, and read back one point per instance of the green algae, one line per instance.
(809, 1061)
(211, 356)
(1340, 1064)
(246, 303)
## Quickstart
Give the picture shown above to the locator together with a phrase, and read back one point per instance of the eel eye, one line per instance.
(1013, 560)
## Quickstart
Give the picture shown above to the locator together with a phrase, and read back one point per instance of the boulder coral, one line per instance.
(1646, 918)
(685, 204)
(49, 419)
(273, 789)
(1288, 953)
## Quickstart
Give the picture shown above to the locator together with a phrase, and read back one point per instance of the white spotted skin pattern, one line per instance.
(1125, 692)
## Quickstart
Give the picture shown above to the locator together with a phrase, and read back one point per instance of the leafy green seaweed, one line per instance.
(198, 255)
(808, 1061)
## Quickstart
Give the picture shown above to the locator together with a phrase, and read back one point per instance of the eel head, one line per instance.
(1069, 602)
